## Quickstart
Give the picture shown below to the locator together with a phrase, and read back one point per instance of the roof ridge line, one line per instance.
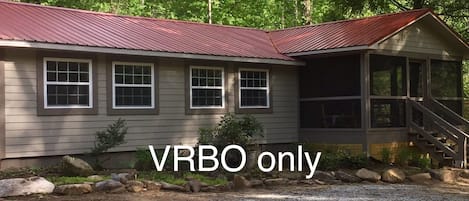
(127, 16)
(349, 20)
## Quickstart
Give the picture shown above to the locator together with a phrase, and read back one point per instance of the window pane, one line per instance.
(206, 97)
(206, 77)
(446, 78)
(388, 76)
(73, 77)
(330, 114)
(250, 97)
(63, 66)
(119, 79)
(387, 113)
(51, 66)
(84, 67)
(73, 66)
(84, 77)
(67, 95)
(62, 77)
(119, 69)
(51, 76)
(133, 96)
(331, 76)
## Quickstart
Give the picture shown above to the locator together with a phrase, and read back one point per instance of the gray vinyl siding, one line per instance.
(29, 135)
(420, 38)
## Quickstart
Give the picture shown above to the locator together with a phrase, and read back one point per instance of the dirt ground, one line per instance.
(371, 192)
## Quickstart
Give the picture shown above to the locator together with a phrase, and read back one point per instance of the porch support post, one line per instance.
(2, 106)
(365, 98)
(427, 90)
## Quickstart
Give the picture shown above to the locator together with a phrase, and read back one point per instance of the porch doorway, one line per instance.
(416, 79)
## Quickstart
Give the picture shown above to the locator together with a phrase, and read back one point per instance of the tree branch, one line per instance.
(399, 5)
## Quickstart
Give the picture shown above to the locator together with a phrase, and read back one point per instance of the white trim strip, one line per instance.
(42, 45)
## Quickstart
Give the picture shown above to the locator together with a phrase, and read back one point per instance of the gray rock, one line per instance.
(76, 167)
(276, 181)
(193, 185)
(122, 177)
(307, 182)
(240, 182)
(73, 189)
(20, 186)
(321, 175)
(134, 186)
(110, 186)
(292, 175)
(393, 175)
(368, 175)
(345, 177)
(256, 182)
(151, 185)
(172, 187)
(444, 175)
(420, 177)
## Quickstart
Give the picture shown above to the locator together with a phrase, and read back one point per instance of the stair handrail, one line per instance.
(449, 113)
(436, 120)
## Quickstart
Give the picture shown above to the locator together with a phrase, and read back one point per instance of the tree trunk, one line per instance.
(307, 14)
(210, 11)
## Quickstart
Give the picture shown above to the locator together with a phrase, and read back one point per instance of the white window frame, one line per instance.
(89, 83)
(222, 87)
(114, 85)
(267, 88)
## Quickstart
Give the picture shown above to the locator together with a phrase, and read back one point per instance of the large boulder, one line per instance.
(193, 185)
(76, 167)
(73, 189)
(240, 182)
(393, 175)
(421, 178)
(110, 185)
(324, 176)
(346, 177)
(172, 187)
(20, 186)
(134, 186)
(444, 175)
(368, 175)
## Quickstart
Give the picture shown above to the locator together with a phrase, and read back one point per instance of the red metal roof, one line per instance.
(35, 23)
(341, 34)
(28, 22)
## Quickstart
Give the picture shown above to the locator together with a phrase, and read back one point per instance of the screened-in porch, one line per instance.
(360, 98)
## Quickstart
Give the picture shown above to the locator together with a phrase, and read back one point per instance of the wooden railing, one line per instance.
(449, 115)
(443, 127)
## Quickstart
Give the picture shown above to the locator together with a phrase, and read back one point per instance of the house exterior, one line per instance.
(64, 74)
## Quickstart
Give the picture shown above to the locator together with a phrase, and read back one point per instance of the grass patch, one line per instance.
(205, 179)
(172, 179)
(71, 180)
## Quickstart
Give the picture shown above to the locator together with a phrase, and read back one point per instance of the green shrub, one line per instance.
(112, 137)
(232, 130)
(403, 156)
(386, 155)
(144, 161)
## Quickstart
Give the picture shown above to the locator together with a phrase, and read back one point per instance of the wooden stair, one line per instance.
(439, 131)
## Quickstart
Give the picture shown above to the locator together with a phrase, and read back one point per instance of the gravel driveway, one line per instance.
(372, 192)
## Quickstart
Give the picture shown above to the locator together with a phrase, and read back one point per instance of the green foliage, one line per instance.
(386, 155)
(71, 180)
(232, 130)
(113, 136)
(341, 159)
(171, 178)
(145, 161)
(403, 156)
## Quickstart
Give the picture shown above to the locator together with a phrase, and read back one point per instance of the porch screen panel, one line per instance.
(446, 83)
(330, 93)
(388, 90)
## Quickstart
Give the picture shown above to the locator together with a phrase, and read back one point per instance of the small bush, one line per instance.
(112, 137)
(386, 155)
(232, 130)
(145, 161)
(341, 159)
(403, 156)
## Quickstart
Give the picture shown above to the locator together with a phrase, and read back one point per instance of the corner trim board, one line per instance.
(2, 106)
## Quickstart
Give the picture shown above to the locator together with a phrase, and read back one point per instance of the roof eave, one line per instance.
(328, 51)
(106, 50)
